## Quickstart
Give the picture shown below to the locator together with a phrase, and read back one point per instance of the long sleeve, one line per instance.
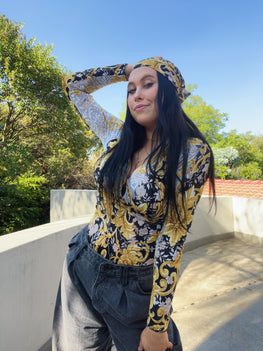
(170, 242)
(78, 88)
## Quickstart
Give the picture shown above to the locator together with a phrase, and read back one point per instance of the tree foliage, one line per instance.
(209, 120)
(249, 164)
(42, 140)
(238, 156)
(225, 158)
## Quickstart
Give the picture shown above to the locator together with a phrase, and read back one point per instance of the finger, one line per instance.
(140, 347)
(170, 346)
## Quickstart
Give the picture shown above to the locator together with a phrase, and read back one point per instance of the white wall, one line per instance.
(30, 268)
(211, 225)
(248, 219)
(66, 204)
(73, 203)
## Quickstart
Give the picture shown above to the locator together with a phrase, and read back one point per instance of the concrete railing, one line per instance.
(235, 215)
(31, 260)
(30, 268)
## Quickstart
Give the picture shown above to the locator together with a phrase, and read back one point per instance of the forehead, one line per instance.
(139, 73)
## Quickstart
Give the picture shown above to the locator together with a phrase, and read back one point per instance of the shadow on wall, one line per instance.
(67, 204)
(248, 214)
(210, 226)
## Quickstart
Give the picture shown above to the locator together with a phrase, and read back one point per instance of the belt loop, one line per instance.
(124, 276)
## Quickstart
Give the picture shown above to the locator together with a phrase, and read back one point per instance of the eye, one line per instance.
(131, 91)
(148, 85)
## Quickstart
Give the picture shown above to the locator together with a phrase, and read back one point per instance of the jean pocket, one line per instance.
(74, 247)
(74, 240)
(79, 237)
(129, 306)
(145, 284)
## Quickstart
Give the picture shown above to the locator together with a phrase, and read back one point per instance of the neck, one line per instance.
(149, 134)
(150, 140)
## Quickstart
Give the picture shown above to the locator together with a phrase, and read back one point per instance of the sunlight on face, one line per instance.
(142, 93)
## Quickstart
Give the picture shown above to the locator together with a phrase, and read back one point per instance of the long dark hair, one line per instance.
(173, 129)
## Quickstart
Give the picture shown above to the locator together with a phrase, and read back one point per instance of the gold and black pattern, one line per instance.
(78, 88)
(170, 71)
(135, 231)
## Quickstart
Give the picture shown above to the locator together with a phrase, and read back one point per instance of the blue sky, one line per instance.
(216, 44)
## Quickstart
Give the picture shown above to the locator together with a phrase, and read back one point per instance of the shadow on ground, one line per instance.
(219, 299)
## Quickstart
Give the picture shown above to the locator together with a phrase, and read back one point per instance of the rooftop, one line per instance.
(241, 188)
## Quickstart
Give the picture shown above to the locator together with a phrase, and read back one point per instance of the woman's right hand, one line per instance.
(154, 341)
(128, 69)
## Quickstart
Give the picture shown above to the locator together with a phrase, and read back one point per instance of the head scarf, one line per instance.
(168, 70)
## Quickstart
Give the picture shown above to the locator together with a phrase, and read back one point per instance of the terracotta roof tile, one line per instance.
(242, 188)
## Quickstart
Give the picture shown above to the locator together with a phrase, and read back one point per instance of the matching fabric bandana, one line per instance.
(167, 69)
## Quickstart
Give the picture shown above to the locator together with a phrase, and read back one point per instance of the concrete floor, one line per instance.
(218, 304)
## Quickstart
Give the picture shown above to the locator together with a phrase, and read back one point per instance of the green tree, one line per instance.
(23, 203)
(38, 127)
(250, 170)
(225, 159)
(250, 150)
(209, 120)
(31, 95)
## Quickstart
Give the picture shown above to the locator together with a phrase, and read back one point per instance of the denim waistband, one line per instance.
(105, 265)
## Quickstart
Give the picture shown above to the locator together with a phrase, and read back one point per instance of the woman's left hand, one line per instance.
(153, 341)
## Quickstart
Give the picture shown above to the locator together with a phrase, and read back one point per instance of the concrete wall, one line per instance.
(31, 260)
(248, 219)
(30, 268)
(66, 204)
(209, 226)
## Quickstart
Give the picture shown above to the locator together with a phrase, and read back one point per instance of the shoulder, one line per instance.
(199, 157)
(197, 148)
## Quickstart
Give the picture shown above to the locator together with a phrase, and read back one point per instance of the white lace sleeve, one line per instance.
(78, 88)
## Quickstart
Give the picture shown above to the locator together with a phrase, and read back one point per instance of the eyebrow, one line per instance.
(143, 78)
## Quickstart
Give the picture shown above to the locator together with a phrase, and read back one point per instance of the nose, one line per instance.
(138, 94)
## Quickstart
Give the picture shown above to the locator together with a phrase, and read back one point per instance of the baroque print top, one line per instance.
(134, 230)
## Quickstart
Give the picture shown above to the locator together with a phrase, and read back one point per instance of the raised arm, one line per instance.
(78, 88)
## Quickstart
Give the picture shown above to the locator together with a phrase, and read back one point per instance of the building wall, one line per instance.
(248, 219)
(66, 204)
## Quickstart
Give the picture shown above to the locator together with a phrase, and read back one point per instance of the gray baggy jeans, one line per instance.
(102, 306)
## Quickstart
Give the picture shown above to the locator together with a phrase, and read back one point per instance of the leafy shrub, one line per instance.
(23, 203)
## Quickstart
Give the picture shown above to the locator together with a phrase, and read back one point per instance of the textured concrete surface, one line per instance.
(218, 304)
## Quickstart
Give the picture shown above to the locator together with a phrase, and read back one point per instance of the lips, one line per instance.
(139, 108)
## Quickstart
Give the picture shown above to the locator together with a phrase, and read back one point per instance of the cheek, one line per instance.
(155, 93)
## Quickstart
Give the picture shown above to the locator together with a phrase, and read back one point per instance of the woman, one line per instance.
(121, 270)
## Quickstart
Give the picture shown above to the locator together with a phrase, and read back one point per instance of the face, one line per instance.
(142, 93)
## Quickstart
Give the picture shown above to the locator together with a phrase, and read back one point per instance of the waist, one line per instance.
(81, 241)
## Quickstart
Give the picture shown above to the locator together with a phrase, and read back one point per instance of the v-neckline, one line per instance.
(136, 169)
